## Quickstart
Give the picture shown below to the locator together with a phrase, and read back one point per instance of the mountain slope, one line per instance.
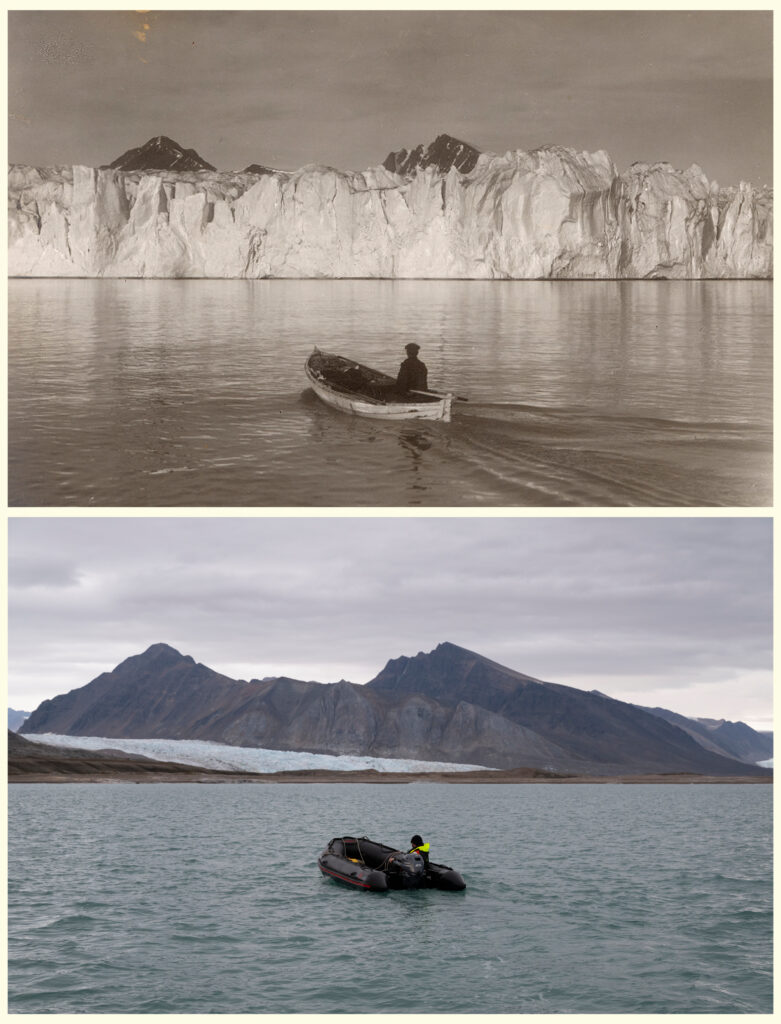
(163, 694)
(742, 742)
(586, 724)
(16, 718)
(448, 705)
(732, 739)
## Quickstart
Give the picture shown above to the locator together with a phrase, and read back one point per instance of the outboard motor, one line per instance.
(406, 870)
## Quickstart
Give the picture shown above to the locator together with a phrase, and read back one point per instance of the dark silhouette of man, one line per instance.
(413, 375)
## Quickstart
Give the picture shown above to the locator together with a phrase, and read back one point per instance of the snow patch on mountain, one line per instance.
(550, 213)
(244, 759)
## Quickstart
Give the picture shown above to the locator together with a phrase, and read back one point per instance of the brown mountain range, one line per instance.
(447, 705)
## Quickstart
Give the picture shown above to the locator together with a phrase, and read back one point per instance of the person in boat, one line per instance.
(418, 846)
(413, 375)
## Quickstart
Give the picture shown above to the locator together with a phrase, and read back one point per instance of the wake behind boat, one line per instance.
(352, 387)
(365, 864)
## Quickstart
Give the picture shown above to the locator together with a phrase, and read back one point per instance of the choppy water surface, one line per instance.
(580, 899)
(192, 393)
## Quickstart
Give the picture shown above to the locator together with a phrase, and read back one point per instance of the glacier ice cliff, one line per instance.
(550, 213)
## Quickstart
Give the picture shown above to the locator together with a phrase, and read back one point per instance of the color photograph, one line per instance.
(534, 755)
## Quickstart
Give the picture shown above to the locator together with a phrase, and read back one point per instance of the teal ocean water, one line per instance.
(207, 899)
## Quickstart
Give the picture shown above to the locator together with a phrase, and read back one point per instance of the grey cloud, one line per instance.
(637, 603)
(42, 569)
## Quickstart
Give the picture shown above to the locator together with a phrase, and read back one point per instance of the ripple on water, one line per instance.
(578, 904)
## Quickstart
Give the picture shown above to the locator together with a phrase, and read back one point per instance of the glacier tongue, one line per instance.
(551, 213)
(245, 759)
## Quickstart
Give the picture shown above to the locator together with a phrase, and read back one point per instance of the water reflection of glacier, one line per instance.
(250, 759)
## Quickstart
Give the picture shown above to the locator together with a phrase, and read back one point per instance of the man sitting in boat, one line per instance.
(413, 375)
(418, 846)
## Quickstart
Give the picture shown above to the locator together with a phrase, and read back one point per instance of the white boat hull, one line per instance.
(358, 405)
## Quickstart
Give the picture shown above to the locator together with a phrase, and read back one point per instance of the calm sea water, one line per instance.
(207, 899)
(192, 393)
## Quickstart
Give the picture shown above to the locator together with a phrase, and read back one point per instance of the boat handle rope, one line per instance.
(385, 864)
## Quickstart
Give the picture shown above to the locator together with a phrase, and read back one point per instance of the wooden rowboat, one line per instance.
(351, 387)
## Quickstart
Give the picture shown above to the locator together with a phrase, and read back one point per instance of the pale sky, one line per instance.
(670, 612)
(345, 88)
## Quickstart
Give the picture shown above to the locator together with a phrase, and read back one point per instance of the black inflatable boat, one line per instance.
(369, 865)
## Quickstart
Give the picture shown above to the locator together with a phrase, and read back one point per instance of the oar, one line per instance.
(436, 394)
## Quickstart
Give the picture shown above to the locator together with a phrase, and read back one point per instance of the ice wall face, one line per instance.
(552, 213)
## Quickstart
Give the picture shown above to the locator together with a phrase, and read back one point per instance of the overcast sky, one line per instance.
(345, 88)
(668, 612)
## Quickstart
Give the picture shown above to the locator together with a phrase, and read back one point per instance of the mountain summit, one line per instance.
(443, 153)
(160, 154)
(449, 674)
(449, 704)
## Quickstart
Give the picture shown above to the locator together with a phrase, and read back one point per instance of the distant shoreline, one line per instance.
(133, 776)
(32, 763)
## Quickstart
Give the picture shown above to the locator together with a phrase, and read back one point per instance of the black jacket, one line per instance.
(413, 375)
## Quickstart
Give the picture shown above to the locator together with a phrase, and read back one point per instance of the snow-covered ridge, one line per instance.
(550, 213)
(249, 759)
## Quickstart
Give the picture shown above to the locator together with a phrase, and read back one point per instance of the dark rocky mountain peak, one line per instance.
(259, 169)
(134, 699)
(592, 727)
(450, 674)
(158, 657)
(161, 154)
(162, 650)
(443, 153)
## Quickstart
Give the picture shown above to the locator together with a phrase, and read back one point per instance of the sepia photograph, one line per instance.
(402, 259)
(389, 511)
(532, 758)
